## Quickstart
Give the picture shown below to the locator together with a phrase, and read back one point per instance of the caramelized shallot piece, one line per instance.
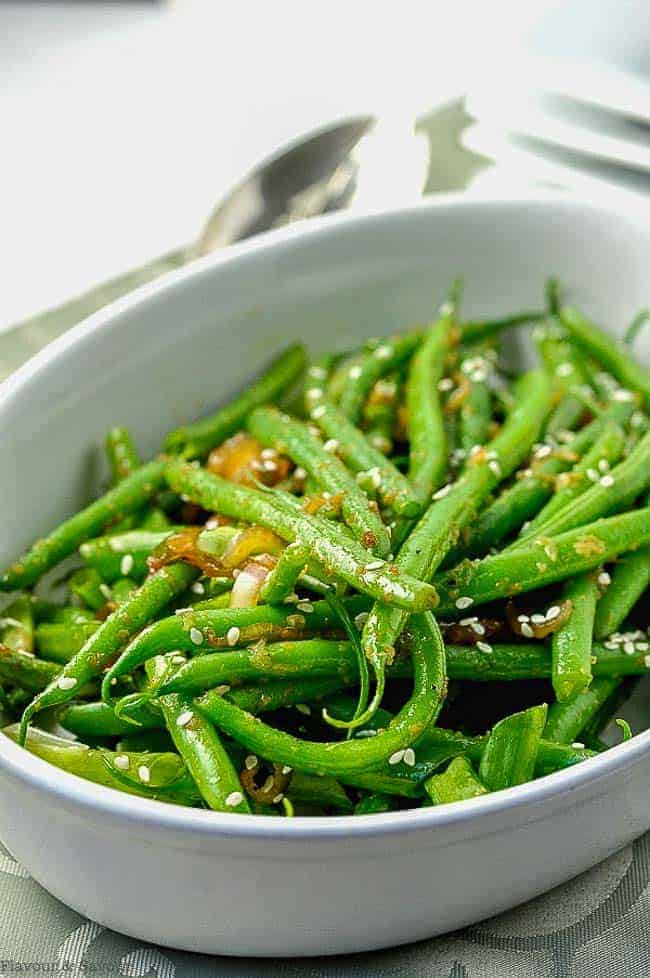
(271, 792)
(252, 540)
(469, 631)
(244, 460)
(538, 624)
(184, 546)
(248, 584)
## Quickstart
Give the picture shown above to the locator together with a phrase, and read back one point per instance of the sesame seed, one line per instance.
(446, 384)
(468, 621)
(66, 682)
(299, 472)
(477, 628)
(305, 606)
(553, 612)
(384, 352)
(354, 372)
(286, 769)
(564, 369)
(278, 798)
(318, 412)
(144, 774)
(197, 588)
(269, 452)
(196, 636)
(314, 393)
(441, 493)
(604, 579)
(250, 762)
(646, 661)
(331, 445)
(361, 619)
(603, 465)
(637, 420)
(526, 630)
(538, 619)
(592, 475)
(374, 565)
(126, 564)
(232, 635)
(623, 395)
(577, 745)
(629, 648)
(396, 757)
(184, 718)
(607, 481)
(495, 468)
(464, 602)
(484, 647)
(642, 646)
(611, 645)
(182, 611)
(122, 762)
(318, 373)
(234, 798)
(362, 734)
(304, 709)
(269, 465)
(222, 690)
(543, 451)
(178, 660)
(409, 757)
(522, 618)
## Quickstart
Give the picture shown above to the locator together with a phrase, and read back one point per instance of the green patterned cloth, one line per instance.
(596, 926)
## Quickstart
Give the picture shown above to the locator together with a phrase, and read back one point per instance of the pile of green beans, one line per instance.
(298, 622)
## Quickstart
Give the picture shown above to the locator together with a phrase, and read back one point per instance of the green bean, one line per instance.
(339, 555)
(17, 625)
(146, 740)
(159, 776)
(571, 644)
(511, 751)
(24, 670)
(474, 331)
(605, 451)
(100, 720)
(541, 562)
(362, 374)
(200, 747)
(438, 530)
(194, 630)
(122, 589)
(310, 789)
(293, 438)
(130, 495)
(476, 409)
(317, 657)
(122, 454)
(630, 578)
(196, 440)
(374, 804)
(566, 720)
(607, 351)
(59, 642)
(562, 361)
(67, 615)
(380, 414)
(641, 319)
(374, 471)
(87, 585)
(614, 491)
(102, 647)
(457, 783)
(427, 439)
(350, 756)
(123, 554)
(282, 580)
(155, 520)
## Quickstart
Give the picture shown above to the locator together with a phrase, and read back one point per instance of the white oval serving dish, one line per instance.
(250, 885)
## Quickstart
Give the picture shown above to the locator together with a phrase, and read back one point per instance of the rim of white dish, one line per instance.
(146, 814)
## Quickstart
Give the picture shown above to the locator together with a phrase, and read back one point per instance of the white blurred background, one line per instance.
(123, 123)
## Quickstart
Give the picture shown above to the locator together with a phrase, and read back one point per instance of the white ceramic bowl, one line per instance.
(244, 885)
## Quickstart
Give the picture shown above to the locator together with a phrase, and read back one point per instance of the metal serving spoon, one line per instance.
(363, 161)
